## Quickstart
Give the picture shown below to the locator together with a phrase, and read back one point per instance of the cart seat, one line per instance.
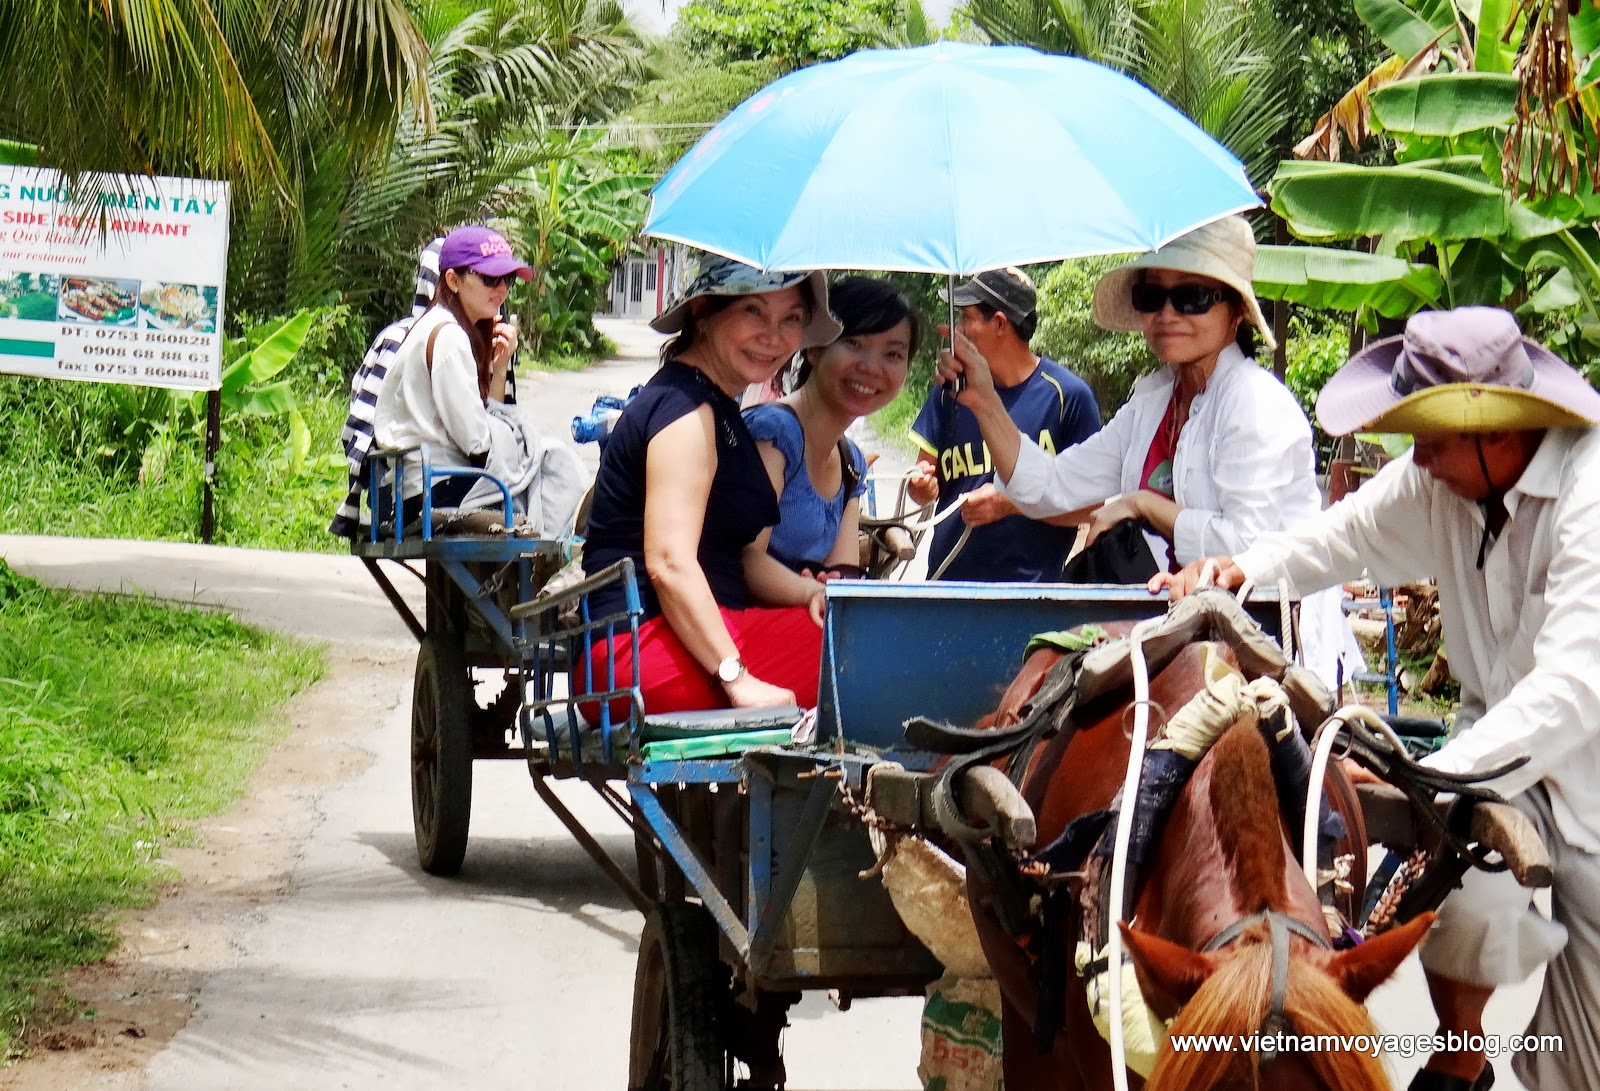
(717, 721)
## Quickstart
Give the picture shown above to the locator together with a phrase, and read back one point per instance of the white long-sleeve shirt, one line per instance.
(1244, 466)
(1523, 634)
(441, 408)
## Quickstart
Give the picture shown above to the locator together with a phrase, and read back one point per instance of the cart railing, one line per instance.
(389, 462)
(560, 628)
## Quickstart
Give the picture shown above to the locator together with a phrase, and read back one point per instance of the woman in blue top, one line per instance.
(819, 475)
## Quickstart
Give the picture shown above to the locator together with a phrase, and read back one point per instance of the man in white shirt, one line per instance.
(1499, 499)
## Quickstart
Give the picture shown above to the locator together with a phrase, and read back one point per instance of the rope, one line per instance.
(966, 532)
(1327, 737)
(1119, 857)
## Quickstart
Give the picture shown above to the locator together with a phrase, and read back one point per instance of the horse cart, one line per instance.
(750, 847)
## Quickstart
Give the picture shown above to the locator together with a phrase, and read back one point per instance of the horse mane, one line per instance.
(1235, 999)
(1244, 801)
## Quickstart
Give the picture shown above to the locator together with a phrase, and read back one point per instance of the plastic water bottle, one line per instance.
(595, 426)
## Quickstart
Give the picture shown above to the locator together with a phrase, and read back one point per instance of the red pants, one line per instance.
(782, 647)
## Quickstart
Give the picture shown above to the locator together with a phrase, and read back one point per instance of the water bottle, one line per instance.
(595, 426)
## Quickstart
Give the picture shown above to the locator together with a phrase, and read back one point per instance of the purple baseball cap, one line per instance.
(483, 251)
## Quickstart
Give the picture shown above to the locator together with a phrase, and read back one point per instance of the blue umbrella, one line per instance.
(950, 158)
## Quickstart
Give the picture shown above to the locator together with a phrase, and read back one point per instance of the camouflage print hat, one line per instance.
(722, 276)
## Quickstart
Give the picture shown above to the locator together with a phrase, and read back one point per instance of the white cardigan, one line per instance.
(441, 408)
(1244, 466)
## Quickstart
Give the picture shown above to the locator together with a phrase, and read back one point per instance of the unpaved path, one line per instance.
(302, 947)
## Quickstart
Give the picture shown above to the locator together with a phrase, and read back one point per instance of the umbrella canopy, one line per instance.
(949, 158)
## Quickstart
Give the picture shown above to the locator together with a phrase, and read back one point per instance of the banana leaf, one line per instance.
(1404, 30)
(1345, 280)
(268, 358)
(1341, 201)
(266, 401)
(1446, 103)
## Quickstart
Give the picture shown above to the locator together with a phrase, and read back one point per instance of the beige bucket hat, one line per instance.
(1466, 370)
(1224, 250)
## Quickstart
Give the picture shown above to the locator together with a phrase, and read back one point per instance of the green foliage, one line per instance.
(794, 33)
(1318, 345)
(571, 218)
(1444, 202)
(101, 460)
(96, 777)
(1108, 362)
(676, 109)
(1225, 64)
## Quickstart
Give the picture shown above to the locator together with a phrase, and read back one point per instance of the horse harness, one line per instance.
(1279, 926)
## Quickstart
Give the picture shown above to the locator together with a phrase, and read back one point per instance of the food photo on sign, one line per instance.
(179, 307)
(103, 300)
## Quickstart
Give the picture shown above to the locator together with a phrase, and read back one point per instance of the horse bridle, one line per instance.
(1279, 926)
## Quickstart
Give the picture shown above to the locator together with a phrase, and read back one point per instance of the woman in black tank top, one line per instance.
(682, 490)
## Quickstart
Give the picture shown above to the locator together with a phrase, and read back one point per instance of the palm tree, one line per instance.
(216, 89)
(502, 85)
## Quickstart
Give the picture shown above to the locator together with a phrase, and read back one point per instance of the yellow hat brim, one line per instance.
(1473, 407)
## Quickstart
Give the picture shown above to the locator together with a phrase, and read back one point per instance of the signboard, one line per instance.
(138, 302)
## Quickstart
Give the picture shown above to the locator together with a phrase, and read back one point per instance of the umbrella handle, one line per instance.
(959, 383)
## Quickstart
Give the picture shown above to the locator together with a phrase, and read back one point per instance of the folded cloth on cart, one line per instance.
(544, 474)
(591, 744)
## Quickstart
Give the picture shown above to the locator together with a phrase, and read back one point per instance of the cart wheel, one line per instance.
(441, 754)
(679, 992)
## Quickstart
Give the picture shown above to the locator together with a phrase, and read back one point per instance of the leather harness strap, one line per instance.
(1279, 926)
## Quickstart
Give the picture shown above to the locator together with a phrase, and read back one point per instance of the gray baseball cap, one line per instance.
(1009, 291)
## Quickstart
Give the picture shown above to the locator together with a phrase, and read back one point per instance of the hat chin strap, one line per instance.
(1491, 503)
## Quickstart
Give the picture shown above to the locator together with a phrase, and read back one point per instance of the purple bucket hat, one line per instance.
(483, 251)
(1466, 370)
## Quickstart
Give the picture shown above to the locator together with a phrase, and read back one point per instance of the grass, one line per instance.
(121, 721)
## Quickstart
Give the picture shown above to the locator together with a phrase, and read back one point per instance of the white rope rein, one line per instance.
(1119, 857)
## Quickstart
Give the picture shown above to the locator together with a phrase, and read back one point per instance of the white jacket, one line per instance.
(1244, 466)
(443, 408)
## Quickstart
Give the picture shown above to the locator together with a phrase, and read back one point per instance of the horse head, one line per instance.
(1265, 979)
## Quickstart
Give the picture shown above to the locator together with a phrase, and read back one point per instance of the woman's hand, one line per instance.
(964, 359)
(748, 691)
(1229, 577)
(1111, 513)
(818, 606)
(502, 347)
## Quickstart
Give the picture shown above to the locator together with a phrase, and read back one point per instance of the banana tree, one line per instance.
(1464, 214)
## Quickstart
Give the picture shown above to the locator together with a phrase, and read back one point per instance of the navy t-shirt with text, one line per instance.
(1052, 407)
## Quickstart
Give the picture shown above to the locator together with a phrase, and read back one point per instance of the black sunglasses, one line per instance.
(1188, 299)
(494, 282)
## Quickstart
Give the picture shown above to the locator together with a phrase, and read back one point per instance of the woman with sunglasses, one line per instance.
(453, 363)
(1209, 451)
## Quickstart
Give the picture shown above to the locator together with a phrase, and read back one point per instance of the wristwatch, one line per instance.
(730, 669)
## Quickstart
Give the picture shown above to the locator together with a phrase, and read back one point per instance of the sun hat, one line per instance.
(717, 275)
(483, 251)
(1466, 370)
(1007, 290)
(1224, 250)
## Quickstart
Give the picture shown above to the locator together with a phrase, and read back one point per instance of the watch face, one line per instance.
(729, 669)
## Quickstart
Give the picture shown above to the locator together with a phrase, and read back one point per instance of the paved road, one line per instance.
(518, 973)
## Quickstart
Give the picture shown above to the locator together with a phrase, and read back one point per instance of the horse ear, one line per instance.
(1367, 965)
(1169, 973)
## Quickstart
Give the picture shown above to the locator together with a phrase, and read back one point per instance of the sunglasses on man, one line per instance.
(1187, 299)
(500, 281)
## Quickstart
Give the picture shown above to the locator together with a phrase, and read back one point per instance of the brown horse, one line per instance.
(1223, 858)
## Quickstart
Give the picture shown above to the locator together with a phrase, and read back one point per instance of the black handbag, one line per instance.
(1120, 555)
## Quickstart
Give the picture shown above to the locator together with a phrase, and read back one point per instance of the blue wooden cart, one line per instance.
(749, 853)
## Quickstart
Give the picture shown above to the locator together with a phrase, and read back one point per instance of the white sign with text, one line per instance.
(121, 286)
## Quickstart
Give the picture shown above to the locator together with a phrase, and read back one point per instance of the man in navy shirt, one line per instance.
(999, 310)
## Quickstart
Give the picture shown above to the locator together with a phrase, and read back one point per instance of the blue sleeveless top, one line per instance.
(808, 524)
